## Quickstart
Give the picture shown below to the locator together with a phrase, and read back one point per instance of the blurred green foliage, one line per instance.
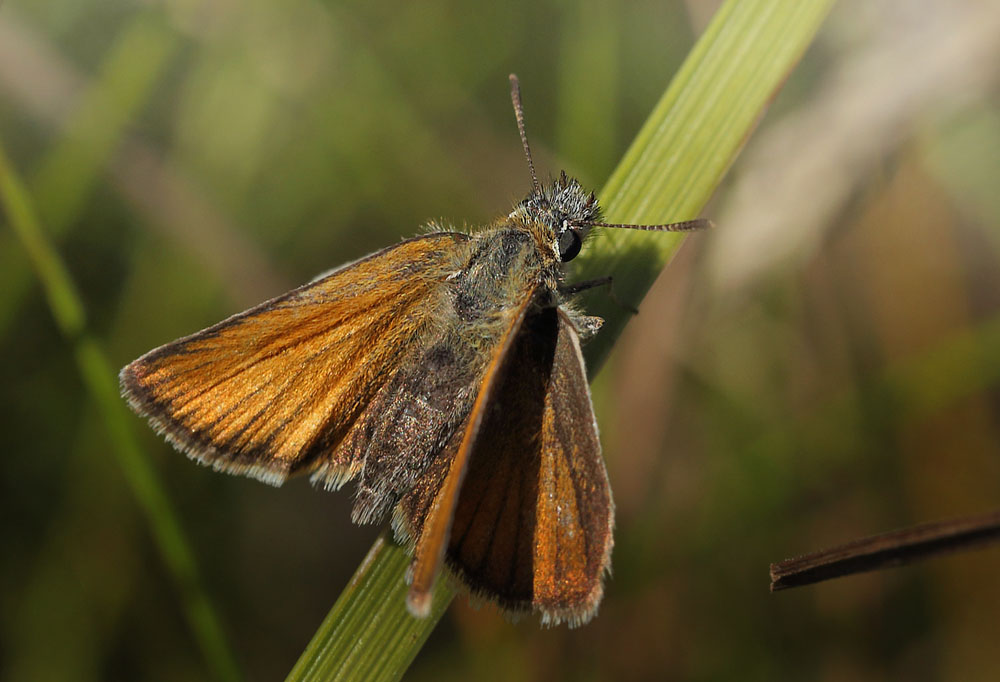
(190, 158)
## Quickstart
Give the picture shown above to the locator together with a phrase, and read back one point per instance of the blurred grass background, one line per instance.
(824, 365)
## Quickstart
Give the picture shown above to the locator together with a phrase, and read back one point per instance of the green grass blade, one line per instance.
(66, 176)
(687, 144)
(671, 170)
(100, 378)
(368, 633)
(132, 68)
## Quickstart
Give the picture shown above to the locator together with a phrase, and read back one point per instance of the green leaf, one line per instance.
(673, 167)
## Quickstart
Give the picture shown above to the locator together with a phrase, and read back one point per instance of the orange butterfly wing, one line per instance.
(520, 497)
(274, 390)
(575, 512)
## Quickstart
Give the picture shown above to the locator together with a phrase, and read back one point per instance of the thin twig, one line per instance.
(888, 549)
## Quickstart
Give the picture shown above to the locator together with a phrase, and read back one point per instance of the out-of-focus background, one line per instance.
(824, 365)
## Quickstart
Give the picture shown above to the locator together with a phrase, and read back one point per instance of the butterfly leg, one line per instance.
(608, 281)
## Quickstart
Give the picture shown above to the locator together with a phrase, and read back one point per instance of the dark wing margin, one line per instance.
(519, 501)
(272, 391)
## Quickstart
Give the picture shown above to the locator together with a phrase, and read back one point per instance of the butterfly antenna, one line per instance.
(515, 97)
(685, 226)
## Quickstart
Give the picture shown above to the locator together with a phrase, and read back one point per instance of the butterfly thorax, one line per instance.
(523, 252)
(503, 265)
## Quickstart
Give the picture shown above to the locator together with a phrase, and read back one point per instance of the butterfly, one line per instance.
(444, 375)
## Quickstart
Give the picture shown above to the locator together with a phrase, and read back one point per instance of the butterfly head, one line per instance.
(563, 213)
(566, 210)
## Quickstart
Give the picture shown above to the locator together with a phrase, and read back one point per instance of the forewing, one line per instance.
(531, 525)
(426, 512)
(274, 390)
(492, 542)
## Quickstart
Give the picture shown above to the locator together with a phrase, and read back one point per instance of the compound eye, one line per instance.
(569, 245)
